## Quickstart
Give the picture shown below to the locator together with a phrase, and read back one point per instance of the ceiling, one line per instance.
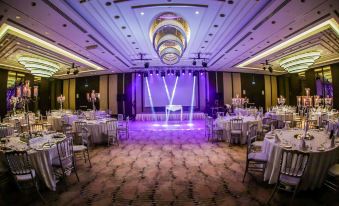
(105, 36)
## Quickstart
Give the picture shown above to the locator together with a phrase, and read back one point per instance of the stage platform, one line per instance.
(172, 116)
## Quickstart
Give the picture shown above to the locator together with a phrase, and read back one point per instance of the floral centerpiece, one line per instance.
(14, 101)
(61, 100)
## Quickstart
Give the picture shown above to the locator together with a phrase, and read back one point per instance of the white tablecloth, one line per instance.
(282, 116)
(225, 124)
(41, 158)
(6, 131)
(97, 129)
(245, 112)
(56, 121)
(318, 163)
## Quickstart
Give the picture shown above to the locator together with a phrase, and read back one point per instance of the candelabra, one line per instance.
(61, 100)
(328, 102)
(25, 98)
(93, 97)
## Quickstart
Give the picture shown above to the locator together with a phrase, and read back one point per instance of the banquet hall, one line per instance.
(169, 102)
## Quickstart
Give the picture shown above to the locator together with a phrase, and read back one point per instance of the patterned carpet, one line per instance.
(173, 167)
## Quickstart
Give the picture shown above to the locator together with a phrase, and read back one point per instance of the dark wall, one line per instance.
(310, 81)
(128, 93)
(44, 95)
(121, 94)
(220, 93)
(253, 91)
(56, 90)
(84, 85)
(212, 86)
(335, 83)
(3, 92)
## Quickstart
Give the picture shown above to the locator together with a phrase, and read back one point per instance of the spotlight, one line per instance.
(189, 72)
(270, 69)
(194, 62)
(68, 71)
(168, 72)
(156, 72)
(183, 72)
(204, 64)
(201, 72)
(139, 74)
(177, 73)
(163, 74)
(76, 71)
(145, 74)
(195, 73)
(146, 65)
(172, 72)
(151, 72)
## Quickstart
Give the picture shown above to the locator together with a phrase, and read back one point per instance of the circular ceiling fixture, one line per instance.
(300, 62)
(38, 67)
(169, 34)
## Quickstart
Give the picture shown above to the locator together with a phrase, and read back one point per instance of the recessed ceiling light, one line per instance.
(128, 35)
(123, 27)
(196, 12)
(215, 25)
(108, 3)
(222, 15)
(230, 2)
(210, 34)
(142, 13)
(133, 42)
(206, 41)
(64, 25)
(18, 17)
(273, 22)
(117, 17)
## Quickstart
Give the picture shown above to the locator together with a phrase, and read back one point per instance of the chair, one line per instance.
(22, 171)
(292, 167)
(82, 148)
(266, 125)
(37, 127)
(123, 127)
(17, 126)
(79, 126)
(65, 162)
(220, 114)
(214, 132)
(236, 129)
(332, 178)
(255, 161)
(312, 124)
(3, 130)
(112, 132)
(67, 128)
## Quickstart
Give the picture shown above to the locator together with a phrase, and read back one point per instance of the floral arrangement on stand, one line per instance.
(61, 99)
(93, 97)
(14, 101)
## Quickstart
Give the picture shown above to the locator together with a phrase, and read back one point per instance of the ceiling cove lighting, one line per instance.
(39, 67)
(331, 23)
(300, 62)
(5, 28)
(169, 34)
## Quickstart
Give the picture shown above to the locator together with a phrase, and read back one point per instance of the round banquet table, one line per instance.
(282, 116)
(320, 159)
(225, 124)
(245, 111)
(6, 131)
(57, 120)
(97, 129)
(40, 155)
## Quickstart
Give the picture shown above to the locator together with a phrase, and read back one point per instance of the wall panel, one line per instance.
(103, 90)
(274, 90)
(112, 93)
(72, 89)
(268, 91)
(227, 84)
(236, 84)
(66, 93)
